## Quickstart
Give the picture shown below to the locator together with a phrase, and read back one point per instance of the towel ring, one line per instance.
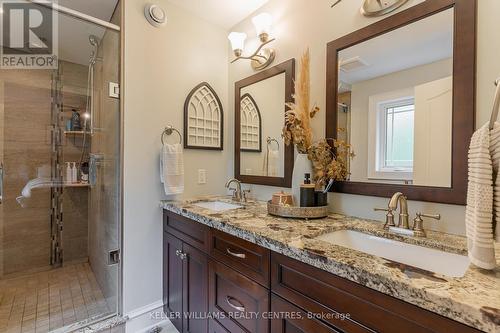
(168, 131)
(271, 140)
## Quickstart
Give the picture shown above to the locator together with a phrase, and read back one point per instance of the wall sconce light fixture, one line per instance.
(262, 57)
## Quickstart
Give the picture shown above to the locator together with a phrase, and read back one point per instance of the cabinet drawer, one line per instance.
(215, 327)
(247, 258)
(189, 231)
(318, 291)
(291, 319)
(237, 300)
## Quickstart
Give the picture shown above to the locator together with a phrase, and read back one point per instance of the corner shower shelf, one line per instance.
(76, 185)
(76, 132)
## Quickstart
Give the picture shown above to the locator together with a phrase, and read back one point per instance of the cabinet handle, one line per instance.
(237, 255)
(230, 300)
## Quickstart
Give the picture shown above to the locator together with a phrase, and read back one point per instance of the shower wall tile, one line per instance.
(25, 146)
(26, 231)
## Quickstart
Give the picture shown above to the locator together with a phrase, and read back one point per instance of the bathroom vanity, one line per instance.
(252, 272)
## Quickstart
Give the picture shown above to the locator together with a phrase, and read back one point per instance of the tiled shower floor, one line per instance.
(45, 301)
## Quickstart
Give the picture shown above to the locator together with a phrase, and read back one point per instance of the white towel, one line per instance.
(273, 158)
(271, 162)
(172, 169)
(479, 210)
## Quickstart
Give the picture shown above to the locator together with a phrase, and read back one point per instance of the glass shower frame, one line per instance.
(57, 173)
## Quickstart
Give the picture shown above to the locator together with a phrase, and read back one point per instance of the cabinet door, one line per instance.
(172, 280)
(195, 290)
(288, 318)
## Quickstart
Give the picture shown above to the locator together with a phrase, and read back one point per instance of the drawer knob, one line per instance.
(230, 301)
(234, 254)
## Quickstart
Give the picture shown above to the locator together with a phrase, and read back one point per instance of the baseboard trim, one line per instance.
(142, 320)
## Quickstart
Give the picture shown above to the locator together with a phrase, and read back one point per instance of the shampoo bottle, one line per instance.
(69, 173)
(74, 173)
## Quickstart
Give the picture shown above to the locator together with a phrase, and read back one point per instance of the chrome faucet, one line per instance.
(238, 193)
(399, 198)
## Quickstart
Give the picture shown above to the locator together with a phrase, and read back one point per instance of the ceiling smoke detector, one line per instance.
(155, 15)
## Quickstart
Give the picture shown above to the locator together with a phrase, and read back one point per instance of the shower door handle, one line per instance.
(1, 182)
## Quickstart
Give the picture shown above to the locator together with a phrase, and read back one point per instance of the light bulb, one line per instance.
(237, 42)
(263, 23)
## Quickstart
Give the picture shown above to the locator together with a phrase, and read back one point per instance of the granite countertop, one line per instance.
(473, 299)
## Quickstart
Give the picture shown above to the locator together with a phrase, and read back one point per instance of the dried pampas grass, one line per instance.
(329, 161)
(297, 129)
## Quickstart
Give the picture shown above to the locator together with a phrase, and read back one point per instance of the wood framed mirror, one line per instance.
(402, 92)
(261, 156)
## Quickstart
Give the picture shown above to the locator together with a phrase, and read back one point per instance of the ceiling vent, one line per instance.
(353, 64)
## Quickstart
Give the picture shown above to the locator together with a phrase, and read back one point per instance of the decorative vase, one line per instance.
(301, 166)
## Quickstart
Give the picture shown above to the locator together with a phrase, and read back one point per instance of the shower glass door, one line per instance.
(59, 181)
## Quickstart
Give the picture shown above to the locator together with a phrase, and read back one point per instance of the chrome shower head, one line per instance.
(94, 40)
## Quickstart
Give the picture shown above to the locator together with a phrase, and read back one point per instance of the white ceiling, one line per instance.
(74, 34)
(225, 13)
(102, 9)
(422, 42)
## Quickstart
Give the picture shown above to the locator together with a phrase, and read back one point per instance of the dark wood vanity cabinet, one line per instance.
(351, 307)
(185, 283)
(249, 289)
(295, 320)
(185, 286)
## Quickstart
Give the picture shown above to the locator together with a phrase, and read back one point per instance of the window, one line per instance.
(391, 127)
(395, 153)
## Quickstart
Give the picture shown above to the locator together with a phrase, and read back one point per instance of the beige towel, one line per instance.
(172, 169)
(479, 211)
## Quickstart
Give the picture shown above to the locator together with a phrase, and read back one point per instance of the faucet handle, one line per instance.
(389, 217)
(233, 191)
(431, 216)
(418, 223)
(244, 193)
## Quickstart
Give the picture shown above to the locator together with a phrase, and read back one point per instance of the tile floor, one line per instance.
(45, 301)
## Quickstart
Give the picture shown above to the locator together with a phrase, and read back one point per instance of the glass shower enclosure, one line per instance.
(60, 176)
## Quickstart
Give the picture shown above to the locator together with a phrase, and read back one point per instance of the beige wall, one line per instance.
(300, 24)
(161, 67)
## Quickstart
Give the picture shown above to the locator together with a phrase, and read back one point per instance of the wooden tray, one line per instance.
(297, 212)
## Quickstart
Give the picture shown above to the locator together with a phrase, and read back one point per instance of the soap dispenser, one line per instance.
(307, 192)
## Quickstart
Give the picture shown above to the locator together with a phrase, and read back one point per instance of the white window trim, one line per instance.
(374, 126)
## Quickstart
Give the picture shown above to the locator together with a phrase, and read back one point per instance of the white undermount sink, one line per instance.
(217, 206)
(444, 263)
